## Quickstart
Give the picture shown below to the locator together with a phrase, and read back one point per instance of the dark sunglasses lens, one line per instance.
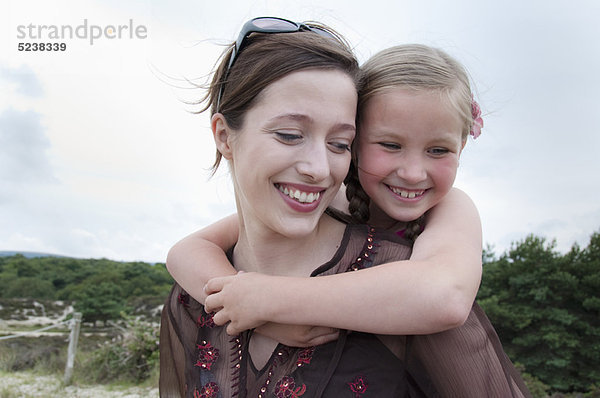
(321, 32)
(275, 24)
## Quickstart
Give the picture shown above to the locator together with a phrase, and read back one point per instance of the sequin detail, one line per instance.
(280, 358)
(369, 249)
(236, 360)
(286, 388)
(207, 355)
(358, 386)
(206, 320)
(209, 390)
(305, 356)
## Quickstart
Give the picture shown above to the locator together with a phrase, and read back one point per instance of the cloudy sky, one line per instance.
(100, 156)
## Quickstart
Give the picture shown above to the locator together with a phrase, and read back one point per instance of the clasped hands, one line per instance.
(249, 300)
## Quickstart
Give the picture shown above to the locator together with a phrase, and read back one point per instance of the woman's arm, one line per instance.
(431, 292)
(186, 260)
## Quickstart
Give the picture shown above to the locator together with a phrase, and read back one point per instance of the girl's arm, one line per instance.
(187, 260)
(201, 256)
(431, 292)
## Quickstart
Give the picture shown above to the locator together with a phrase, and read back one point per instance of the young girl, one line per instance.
(415, 113)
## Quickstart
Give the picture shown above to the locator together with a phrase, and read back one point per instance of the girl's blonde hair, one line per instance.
(415, 67)
(418, 67)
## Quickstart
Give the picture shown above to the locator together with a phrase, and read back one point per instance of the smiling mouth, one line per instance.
(298, 195)
(405, 193)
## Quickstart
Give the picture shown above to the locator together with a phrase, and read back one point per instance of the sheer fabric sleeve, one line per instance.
(171, 383)
(467, 361)
(177, 337)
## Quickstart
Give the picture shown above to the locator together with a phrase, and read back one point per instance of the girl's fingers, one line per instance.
(220, 319)
(216, 284)
(213, 303)
(232, 331)
(213, 286)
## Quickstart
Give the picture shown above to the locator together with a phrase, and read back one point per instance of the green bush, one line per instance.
(100, 288)
(545, 308)
(535, 386)
(131, 356)
(594, 392)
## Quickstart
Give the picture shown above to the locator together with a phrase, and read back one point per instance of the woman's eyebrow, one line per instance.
(301, 117)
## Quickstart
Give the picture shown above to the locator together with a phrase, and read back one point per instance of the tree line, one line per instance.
(545, 305)
(100, 289)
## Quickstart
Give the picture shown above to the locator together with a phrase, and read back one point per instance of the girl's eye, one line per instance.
(288, 138)
(439, 151)
(390, 145)
(340, 147)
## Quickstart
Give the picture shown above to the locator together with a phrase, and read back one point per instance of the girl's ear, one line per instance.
(221, 134)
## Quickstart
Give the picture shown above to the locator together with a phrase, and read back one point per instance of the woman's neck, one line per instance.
(271, 253)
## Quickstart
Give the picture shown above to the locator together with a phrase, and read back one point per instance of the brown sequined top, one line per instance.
(198, 359)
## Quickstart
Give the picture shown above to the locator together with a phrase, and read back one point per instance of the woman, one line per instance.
(283, 116)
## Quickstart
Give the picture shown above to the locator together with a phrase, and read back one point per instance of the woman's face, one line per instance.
(408, 151)
(292, 153)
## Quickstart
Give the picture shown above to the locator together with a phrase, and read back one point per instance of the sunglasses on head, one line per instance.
(266, 25)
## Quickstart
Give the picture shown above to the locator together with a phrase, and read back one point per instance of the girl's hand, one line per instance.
(298, 335)
(244, 301)
(240, 299)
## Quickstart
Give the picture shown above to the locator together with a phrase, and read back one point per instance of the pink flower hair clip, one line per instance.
(477, 119)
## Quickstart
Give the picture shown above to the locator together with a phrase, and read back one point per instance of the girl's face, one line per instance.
(408, 150)
(293, 151)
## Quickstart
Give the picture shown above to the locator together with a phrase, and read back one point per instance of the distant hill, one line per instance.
(101, 288)
(9, 253)
(27, 254)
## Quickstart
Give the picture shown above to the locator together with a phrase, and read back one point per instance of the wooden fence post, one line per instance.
(73, 339)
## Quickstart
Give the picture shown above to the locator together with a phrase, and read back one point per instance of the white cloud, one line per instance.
(23, 146)
(25, 82)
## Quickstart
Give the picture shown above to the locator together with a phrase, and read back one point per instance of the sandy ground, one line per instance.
(27, 385)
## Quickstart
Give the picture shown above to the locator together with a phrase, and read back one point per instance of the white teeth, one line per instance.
(406, 194)
(300, 196)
